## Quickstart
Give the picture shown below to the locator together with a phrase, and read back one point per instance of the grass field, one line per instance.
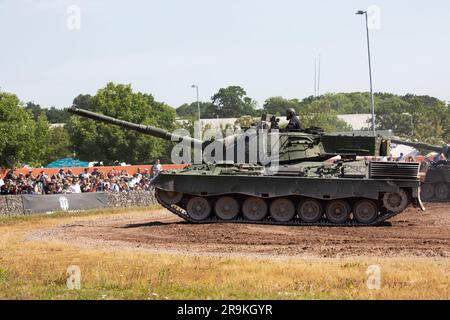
(37, 270)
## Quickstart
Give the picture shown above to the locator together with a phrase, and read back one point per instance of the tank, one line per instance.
(318, 180)
(435, 186)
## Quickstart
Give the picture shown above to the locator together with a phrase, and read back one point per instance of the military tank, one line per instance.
(318, 180)
(435, 186)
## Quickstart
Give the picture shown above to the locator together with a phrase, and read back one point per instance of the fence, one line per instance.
(33, 204)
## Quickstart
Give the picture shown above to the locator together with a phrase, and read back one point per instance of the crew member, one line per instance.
(294, 122)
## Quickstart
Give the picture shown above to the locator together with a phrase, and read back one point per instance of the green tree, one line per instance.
(279, 105)
(59, 145)
(83, 101)
(95, 141)
(188, 110)
(233, 102)
(320, 114)
(35, 109)
(22, 139)
(55, 115)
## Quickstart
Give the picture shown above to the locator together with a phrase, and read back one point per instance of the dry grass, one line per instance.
(37, 270)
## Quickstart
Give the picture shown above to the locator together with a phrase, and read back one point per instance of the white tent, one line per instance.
(398, 149)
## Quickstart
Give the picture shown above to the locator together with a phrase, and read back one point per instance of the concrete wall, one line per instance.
(13, 205)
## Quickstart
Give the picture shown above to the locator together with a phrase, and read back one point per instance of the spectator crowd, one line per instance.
(64, 181)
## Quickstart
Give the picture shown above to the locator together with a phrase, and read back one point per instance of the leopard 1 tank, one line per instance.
(317, 180)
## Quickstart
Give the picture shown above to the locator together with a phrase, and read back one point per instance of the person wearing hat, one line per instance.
(294, 122)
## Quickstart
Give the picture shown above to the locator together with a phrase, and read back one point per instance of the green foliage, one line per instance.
(230, 102)
(94, 141)
(278, 105)
(34, 109)
(233, 102)
(421, 118)
(319, 113)
(59, 145)
(53, 114)
(20, 135)
(207, 110)
(26, 139)
(83, 101)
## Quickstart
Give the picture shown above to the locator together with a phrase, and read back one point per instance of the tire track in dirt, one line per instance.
(411, 234)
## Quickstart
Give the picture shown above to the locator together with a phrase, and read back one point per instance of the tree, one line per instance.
(83, 101)
(22, 140)
(422, 118)
(320, 114)
(95, 141)
(207, 110)
(34, 109)
(233, 102)
(59, 145)
(279, 105)
(55, 115)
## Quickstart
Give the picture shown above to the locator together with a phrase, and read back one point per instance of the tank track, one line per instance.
(180, 212)
(434, 199)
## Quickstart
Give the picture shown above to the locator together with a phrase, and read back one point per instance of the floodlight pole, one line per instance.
(372, 99)
(194, 86)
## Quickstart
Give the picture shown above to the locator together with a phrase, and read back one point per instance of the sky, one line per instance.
(53, 50)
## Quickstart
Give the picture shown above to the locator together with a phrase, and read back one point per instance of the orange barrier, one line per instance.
(3, 173)
(130, 169)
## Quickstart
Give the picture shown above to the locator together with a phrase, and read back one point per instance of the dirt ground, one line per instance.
(411, 234)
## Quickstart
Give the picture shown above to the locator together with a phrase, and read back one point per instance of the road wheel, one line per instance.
(396, 202)
(365, 211)
(310, 211)
(254, 209)
(169, 197)
(282, 210)
(338, 211)
(198, 208)
(442, 191)
(226, 208)
(427, 191)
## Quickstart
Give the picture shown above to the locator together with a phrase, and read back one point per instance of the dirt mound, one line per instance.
(411, 234)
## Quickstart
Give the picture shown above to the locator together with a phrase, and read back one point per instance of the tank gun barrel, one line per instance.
(420, 145)
(149, 130)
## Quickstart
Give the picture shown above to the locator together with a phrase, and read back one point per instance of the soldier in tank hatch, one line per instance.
(294, 122)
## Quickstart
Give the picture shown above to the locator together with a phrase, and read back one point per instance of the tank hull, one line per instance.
(282, 200)
(273, 187)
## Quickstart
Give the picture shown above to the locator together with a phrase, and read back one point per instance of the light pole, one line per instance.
(194, 86)
(361, 12)
(198, 101)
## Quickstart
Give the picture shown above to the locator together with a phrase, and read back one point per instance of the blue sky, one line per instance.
(267, 47)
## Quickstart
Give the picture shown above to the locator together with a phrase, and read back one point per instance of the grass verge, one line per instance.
(37, 270)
